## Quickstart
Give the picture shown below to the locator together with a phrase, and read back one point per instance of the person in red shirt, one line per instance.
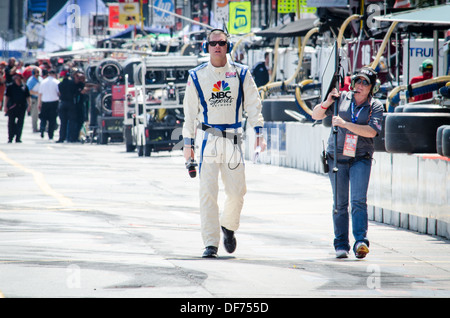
(427, 73)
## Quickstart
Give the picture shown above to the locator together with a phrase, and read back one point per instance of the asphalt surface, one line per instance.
(87, 220)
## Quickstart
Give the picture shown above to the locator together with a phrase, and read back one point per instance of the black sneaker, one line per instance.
(210, 252)
(229, 241)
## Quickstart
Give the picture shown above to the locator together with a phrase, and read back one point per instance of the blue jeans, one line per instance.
(352, 177)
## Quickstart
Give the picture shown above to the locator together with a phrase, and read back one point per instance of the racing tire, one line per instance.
(151, 76)
(379, 141)
(128, 139)
(90, 74)
(413, 132)
(439, 139)
(426, 109)
(129, 67)
(109, 71)
(106, 104)
(137, 74)
(446, 142)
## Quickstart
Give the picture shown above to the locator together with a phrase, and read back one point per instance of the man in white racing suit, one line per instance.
(217, 93)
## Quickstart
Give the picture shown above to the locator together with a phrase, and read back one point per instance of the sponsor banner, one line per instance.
(113, 21)
(161, 17)
(240, 17)
(35, 29)
(420, 50)
(129, 13)
(221, 10)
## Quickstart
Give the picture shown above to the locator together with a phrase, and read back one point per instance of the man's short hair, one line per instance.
(217, 31)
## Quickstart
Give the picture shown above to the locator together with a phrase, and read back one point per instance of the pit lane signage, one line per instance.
(240, 17)
(129, 12)
(420, 50)
(161, 17)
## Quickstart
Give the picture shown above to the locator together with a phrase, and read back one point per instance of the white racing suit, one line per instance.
(213, 117)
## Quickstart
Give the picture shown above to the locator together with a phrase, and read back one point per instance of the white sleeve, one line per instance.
(252, 103)
(191, 106)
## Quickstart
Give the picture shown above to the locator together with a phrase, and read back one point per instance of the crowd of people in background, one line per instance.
(44, 92)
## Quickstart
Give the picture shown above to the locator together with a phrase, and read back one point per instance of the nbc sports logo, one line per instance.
(221, 90)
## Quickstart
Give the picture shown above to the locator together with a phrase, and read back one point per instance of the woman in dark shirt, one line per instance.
(358, 122)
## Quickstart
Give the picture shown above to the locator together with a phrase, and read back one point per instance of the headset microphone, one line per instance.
(190, 165)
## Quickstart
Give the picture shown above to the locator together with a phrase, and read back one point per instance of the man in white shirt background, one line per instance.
(48, 103)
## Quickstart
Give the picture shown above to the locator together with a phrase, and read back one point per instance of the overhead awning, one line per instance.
(297, 28)
(437, 15)
(126, 34)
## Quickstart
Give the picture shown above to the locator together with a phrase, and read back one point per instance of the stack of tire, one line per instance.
(443, 140)
(129, 67)
(107, 72)
(414, 129)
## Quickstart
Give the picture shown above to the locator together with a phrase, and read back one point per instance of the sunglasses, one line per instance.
(362, 81)
(214, 43)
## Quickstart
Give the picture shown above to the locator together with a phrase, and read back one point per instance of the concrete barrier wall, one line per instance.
(411, 191)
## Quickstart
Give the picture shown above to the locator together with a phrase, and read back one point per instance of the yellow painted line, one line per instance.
(39, 179)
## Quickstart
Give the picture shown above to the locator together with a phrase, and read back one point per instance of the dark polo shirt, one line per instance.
(17, 94)
(369, 113)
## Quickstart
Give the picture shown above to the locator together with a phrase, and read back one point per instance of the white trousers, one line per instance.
(220, 155)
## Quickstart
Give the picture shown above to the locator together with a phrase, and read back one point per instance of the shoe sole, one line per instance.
(362, 251)
(210, 256)
(342, 255)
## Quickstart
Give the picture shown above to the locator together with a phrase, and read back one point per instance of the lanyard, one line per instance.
(355, 117)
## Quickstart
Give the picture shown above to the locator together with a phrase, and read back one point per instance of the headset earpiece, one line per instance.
(205, 47)
(352, 82)
(229, 46)
(376, 87)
